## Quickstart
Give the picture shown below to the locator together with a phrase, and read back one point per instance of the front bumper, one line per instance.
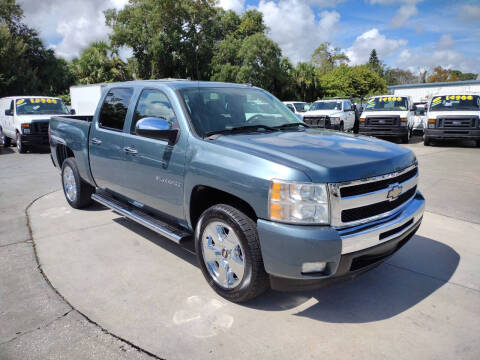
(35, 139)
(397, 131)
(452, 133)
(347, 251)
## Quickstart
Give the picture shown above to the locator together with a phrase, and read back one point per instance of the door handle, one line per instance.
(130, 150)
(96, 141)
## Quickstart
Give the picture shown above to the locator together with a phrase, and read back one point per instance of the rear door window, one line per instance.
(114, 109)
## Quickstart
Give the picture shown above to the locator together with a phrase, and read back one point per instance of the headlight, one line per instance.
(362, 121)
(26, 128)
(334, 120)
(431, 123)
(403, 121)
(299, 203)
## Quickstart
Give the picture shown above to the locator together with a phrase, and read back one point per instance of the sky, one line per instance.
(410, 34)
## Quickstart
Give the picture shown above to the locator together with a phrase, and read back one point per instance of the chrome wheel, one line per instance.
(223, 254)
(69, 184)
(19, 144)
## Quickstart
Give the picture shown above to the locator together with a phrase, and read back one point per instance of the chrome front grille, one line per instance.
(361, 201)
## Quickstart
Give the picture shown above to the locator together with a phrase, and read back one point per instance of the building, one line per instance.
(422, 92)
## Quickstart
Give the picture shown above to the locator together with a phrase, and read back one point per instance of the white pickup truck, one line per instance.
(25, 119)
(453, 117)
(338, 114)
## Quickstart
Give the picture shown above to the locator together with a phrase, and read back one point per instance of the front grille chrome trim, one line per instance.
(339, 203)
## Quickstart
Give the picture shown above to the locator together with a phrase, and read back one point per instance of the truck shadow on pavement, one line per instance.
(416, 271)
(411, 275)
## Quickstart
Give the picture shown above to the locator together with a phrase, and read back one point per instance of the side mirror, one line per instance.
(8, 112)
(413, 108)
(72, 112)
(155, 128)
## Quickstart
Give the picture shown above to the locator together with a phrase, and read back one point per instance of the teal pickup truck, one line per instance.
(268, 201)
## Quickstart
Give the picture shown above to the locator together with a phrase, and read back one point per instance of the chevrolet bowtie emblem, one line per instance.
(394, 192)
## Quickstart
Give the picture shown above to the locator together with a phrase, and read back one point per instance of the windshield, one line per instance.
(40, 106)
(419, 108)
(301, 107)
(326, 105)
(387, 103)
(219, 109)
(455, 102)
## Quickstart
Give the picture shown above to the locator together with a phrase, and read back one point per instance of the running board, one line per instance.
(141, 217)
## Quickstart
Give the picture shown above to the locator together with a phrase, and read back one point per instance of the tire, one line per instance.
(228, 251)
(6, 141)
(341, 128)
(77, 192)
(426, 141)
(477, 143)
(21, 147)
(406, 138)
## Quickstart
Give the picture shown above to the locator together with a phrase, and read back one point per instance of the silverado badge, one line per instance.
(394, 192)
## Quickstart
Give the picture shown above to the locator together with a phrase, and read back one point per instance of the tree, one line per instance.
(99, 63)
(375, 64)
(169, 38)
(26, 65)
(357, 81)
(326, 58)
(398, 76)
(306, 82)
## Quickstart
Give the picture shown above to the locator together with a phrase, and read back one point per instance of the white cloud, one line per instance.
(440, 54)
(470, 13)
(292, 24)
(403, 15)
(359, 52)
(235, 5)
(71, 25)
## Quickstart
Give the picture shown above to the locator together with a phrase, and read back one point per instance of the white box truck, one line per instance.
(85, 98)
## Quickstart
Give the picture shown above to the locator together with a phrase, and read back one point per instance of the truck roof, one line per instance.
(181, 83)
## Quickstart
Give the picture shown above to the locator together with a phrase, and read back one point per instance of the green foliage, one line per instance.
(306, 82)
(26, 66)
(352, 81)
(375, 64)
(99, 63)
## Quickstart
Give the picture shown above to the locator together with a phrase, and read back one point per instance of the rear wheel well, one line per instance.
(204, 197)
(63, 153)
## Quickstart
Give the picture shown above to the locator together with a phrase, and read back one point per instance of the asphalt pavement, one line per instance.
(104, 287)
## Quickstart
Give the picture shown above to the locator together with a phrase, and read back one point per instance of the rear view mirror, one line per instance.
(72, 112)
(155, 128)
(8, 112)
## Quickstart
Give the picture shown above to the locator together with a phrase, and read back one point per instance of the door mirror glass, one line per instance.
(8, 112)
(155, 128)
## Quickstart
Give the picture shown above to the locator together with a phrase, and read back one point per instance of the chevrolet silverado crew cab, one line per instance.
(338, 114)
(388, 116)
(267, 200)
(24, 119)
(453, 117)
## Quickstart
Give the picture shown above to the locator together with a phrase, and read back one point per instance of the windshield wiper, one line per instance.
(240, 129)
(290, 125)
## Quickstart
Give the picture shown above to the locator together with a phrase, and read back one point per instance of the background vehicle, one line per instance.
(269, 201)
(25, 119)
(338, 114)
(453, 117)
(84, 98)
(297, 107)
(388, 116)
(419, 117)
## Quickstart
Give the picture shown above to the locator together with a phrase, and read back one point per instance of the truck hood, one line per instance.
(24, 119)
(323, 113)
(323, 155)
(434, 114)
(402, 114)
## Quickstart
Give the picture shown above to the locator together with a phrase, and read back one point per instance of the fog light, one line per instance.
(313, 267)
